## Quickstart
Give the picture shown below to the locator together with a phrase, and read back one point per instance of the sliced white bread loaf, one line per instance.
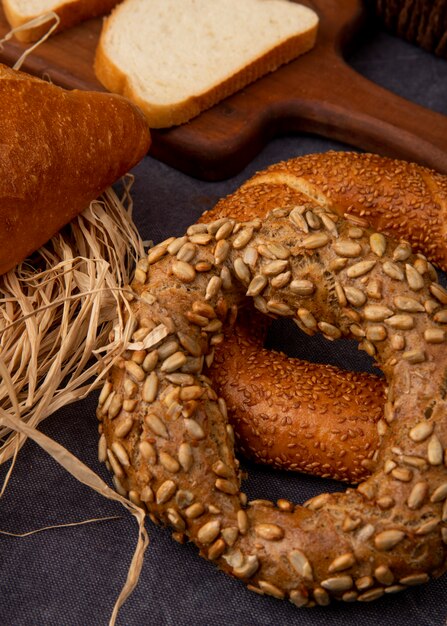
(175, 58)
(70, 12)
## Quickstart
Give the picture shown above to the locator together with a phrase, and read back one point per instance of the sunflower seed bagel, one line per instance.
(312, 417)
(165, 432)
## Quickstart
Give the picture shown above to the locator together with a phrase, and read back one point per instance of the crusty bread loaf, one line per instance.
(70, 12)
(59, 150)
(177, 59)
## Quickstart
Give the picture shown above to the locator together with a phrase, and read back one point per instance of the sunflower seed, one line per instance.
(185, 456)
(435, 452)
(105, 393)
(421, 431)
(301, 564)
(355, 296)
(434, 335)
(186, 253)
(173, 362)
(414, 356)
(414, 579)
(183, 271)
(102, 449)
(417, 496)
(378, 244)
(414, 279)
(314, 241)
(242, 238)
(341, 563)
(393, 270)
(115, 405)
(408, 304)
(241, 270)
(226, 486)
(135, 371)
(166, 491)
(175, 245)
(384, 575)
(402, 252)
(148, 452)
(274, 268)
(221, 251)
(439, 494)
(329, 330)
(297, 218)
(388, 539)
(194, 429)
(401, 321)
(302, 287)
(337, 583)
(270, 532)
(150, 388)
(124, 428)
(376, 312)
(439, 293)
(209, 532)
(360, 269)
(155, 424)
(249, 567)
(349, 249)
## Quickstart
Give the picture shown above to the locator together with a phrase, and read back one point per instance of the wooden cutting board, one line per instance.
(318, 93)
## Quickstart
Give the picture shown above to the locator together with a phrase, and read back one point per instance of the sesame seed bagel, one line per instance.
(311, 417)
(293, 414)
(165, 431)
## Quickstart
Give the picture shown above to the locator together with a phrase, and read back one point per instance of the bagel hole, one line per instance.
(284, 336)
(267, 484)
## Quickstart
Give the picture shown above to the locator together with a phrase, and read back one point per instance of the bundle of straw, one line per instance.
(57, 311)
(61, 325)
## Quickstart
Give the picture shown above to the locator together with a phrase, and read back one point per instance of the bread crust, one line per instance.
(60, 149)
(117, 80)
(401, 199)
(164, 430)
(70, 12)
(293, 414)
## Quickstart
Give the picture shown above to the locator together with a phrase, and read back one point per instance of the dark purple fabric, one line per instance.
(72, 576)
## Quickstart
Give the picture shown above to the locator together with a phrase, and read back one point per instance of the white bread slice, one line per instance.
(70, 12)
(175, 58)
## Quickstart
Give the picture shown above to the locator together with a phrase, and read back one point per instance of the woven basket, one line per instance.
(422, 22)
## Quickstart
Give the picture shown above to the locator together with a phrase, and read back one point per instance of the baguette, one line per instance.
(59, 150)
(70, 13)
(176, 63)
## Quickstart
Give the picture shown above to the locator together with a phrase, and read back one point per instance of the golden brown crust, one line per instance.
(60, 149)
(70, 13)
(296, 415)
(405, 200)
(165, 432)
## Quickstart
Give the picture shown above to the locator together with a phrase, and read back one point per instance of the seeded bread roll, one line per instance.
(164, 429)
(70, 12)
(59, 150)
